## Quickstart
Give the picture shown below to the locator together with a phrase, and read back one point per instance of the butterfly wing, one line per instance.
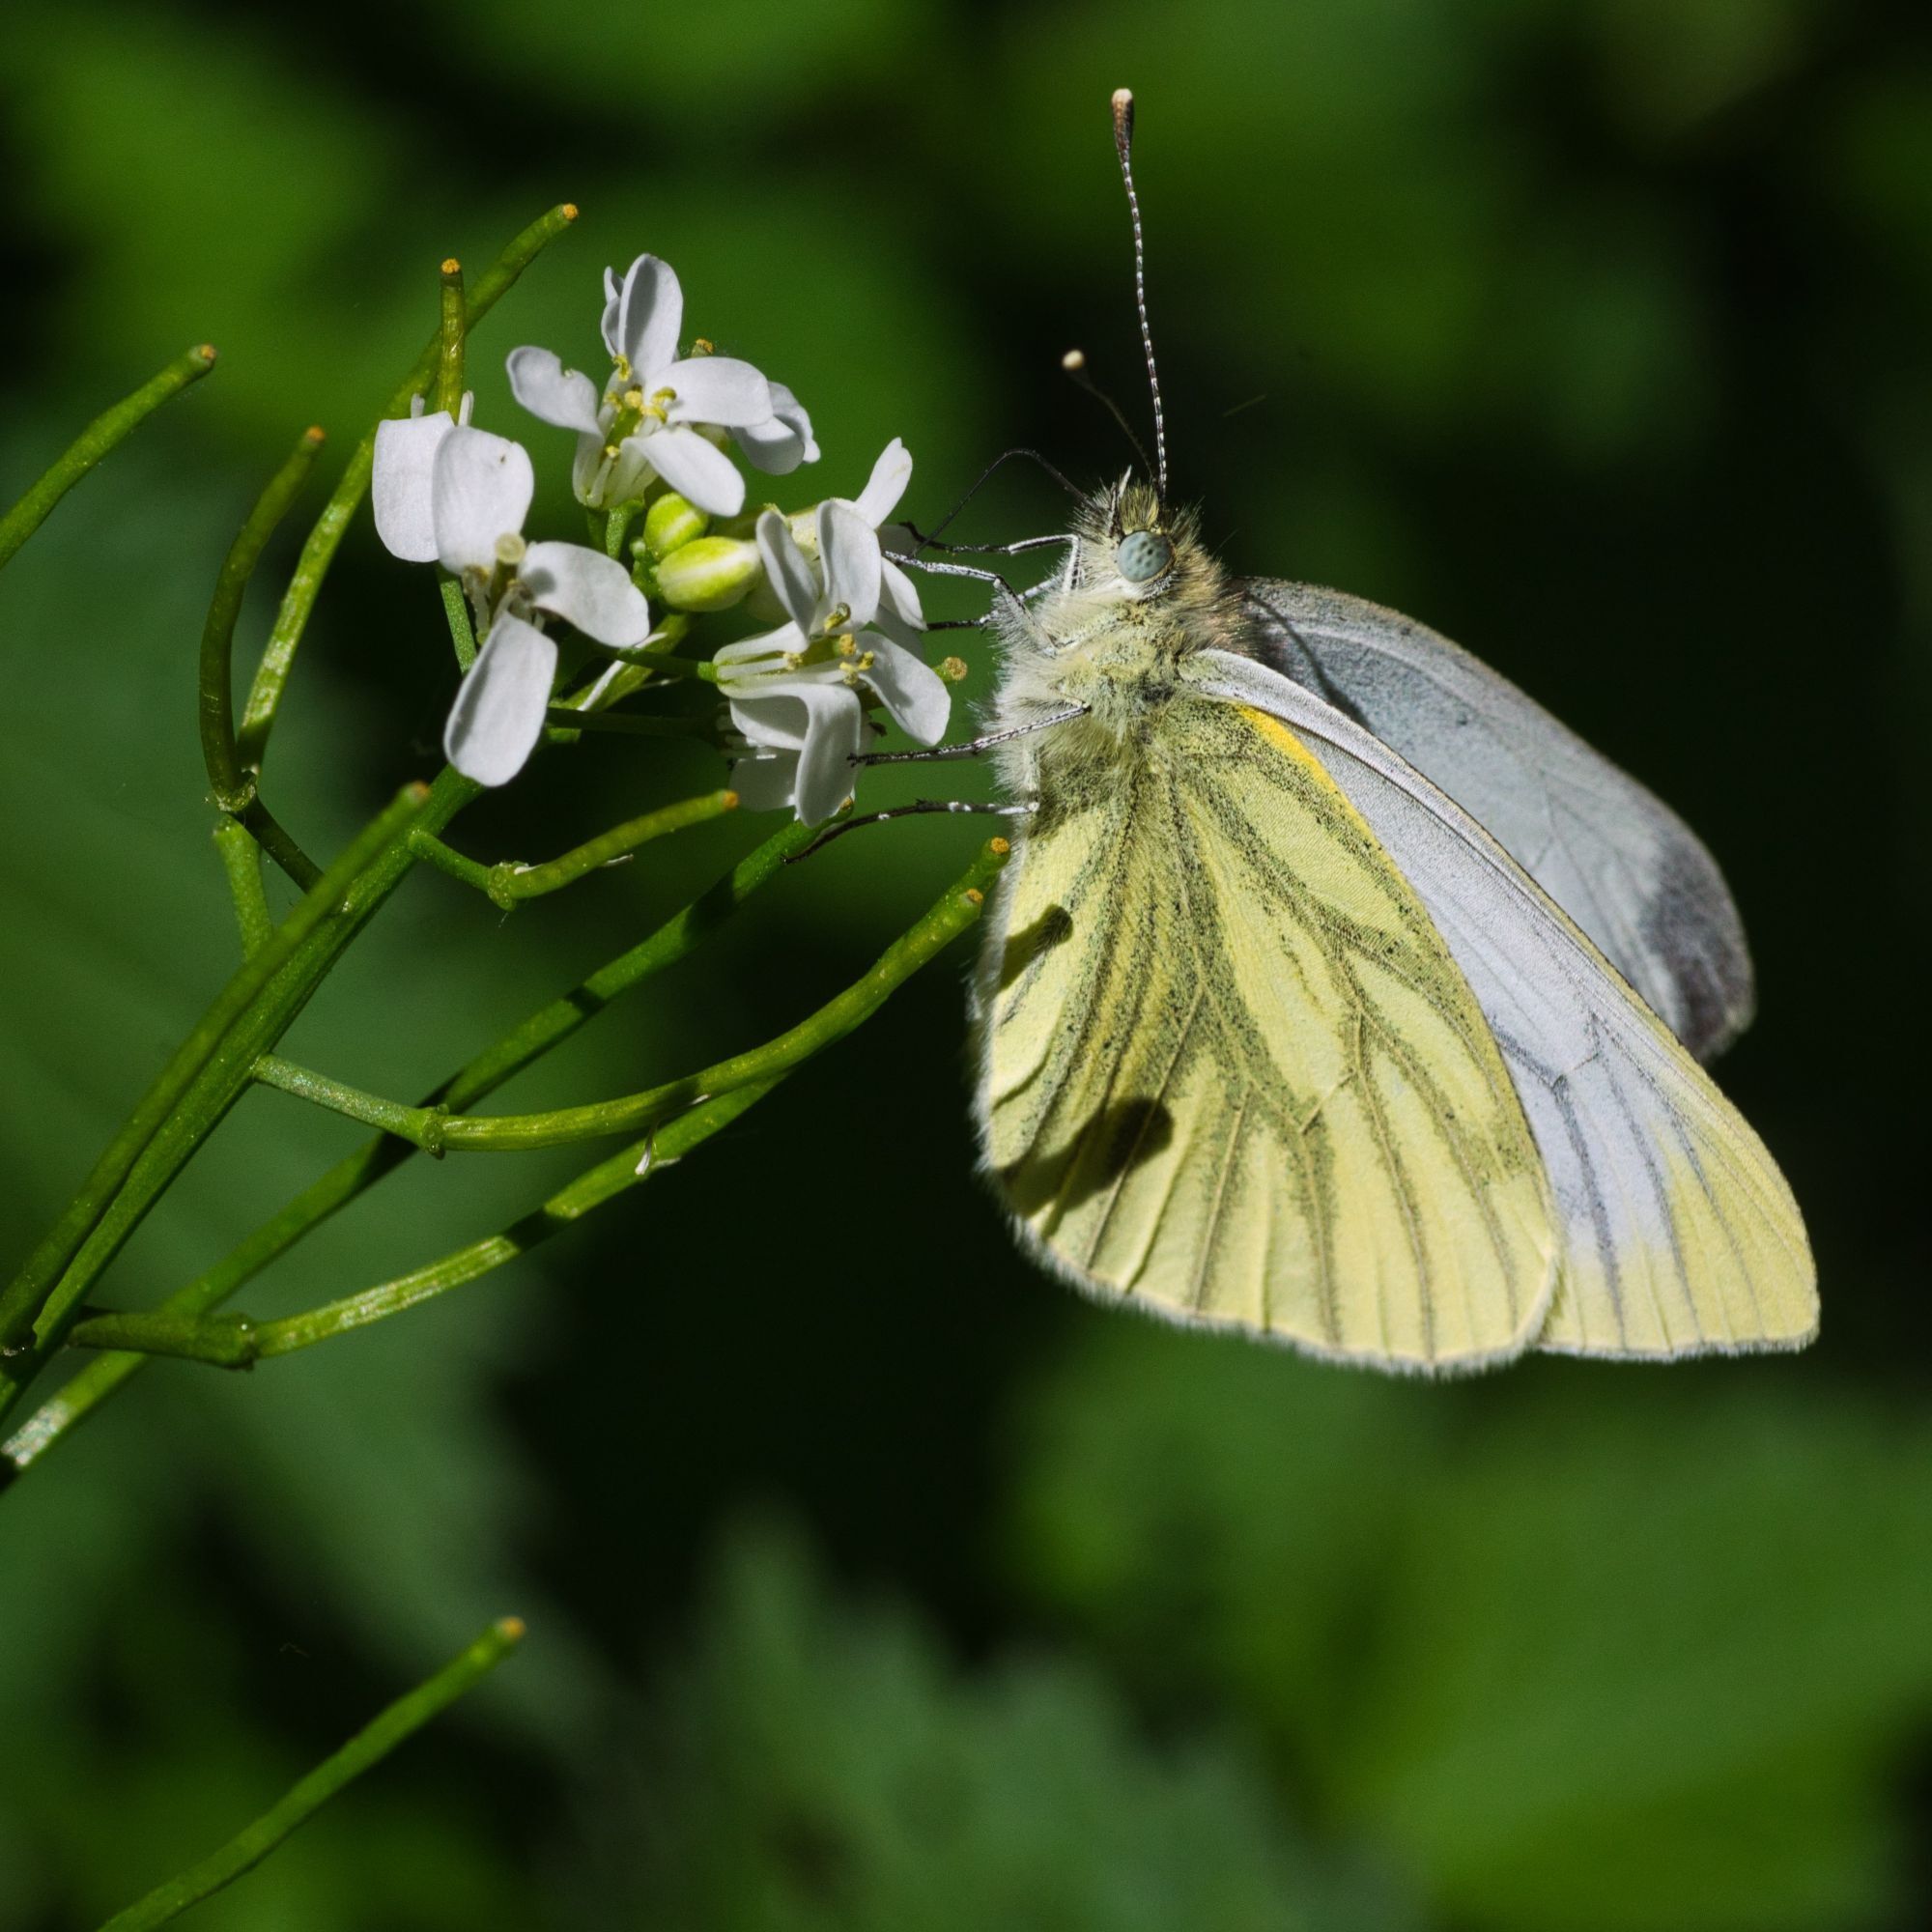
(1679, 1234)
(1619, 862)
(1231, 1072)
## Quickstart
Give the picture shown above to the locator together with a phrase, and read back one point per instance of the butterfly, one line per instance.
(1336, 993)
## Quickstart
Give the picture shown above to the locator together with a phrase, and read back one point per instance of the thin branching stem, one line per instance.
(421, 1126)
(234, 1342)
(367, 1747)
(509, 884)
(107, 430)
(234, 787)
(265, 697)
(544, 1030)
(208, 1072)
(956, 910)
(241, 863)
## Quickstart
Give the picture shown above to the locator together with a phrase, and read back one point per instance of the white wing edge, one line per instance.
(1575, 1036)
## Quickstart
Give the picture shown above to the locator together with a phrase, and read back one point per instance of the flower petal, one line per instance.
(587, 590)
(499, 715)
(480, 490)
(899, 595)
(783, 441)
(613, 308)
(833, 734)
(550, 393)
(699, 472)
(765, 779)
(787, 572)
(398, 491)
(887, 484)
(650, 313)
(848, 547)
(909, 688)
(715, 390)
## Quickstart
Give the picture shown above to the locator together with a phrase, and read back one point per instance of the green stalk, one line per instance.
(234, 789)
(234, 1342)
(496, 1133)
(421, 1126)
(207, 1075)
(523, 1045)
(241, 863)
(367, 1747)
(508, 884)
(265, 697)
(450, 333)
(108, 429)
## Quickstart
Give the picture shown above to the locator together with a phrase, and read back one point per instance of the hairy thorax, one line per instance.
(1115, 650)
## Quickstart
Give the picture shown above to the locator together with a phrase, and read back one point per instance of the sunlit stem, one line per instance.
(234, 786)
(422, 1126)
(838, 1016)
(109, 428)
(234, 1342)
(241, 863)
(204, 1077)
(367, 1747)
(522, 1046)
(265, 697)
(508, 884)
(452, 331)
(456, 611)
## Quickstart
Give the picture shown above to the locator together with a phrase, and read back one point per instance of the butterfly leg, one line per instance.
(917, 807)
(972, 747)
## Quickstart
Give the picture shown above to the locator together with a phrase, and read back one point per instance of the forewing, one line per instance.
(1617, 860)
(1679, 1234)
(1231, 1072)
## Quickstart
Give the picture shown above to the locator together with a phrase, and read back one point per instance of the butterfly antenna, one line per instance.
(1124, 146)
(1074, 362)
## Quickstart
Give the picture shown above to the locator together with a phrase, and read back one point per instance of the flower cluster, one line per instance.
(653, 440)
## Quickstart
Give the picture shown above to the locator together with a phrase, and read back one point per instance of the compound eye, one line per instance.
(1143, 555)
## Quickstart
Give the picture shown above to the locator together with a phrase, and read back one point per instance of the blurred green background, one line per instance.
(874, 1581)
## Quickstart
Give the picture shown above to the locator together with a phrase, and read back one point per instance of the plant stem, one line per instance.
(206, 1075)
(268, 832)
(100, 436)
(456, 615)
(422, 1126)
(453, 327)
(838, 1016)
(367, 1747)
(242, 861)
(523, 1045)
(235, 1342)
(508, 884)
(271, 677)
(234, 789)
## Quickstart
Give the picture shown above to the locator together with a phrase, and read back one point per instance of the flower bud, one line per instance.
(670, 523)
(710, 574)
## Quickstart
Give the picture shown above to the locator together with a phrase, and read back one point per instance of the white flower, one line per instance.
(795, 691)
(783, 441)
(459, 497)
(659, 415)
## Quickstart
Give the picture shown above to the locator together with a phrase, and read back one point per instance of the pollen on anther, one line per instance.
(1002, 846)
(568, 211)
(974, 896)
(315, 434)
(451, 265)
